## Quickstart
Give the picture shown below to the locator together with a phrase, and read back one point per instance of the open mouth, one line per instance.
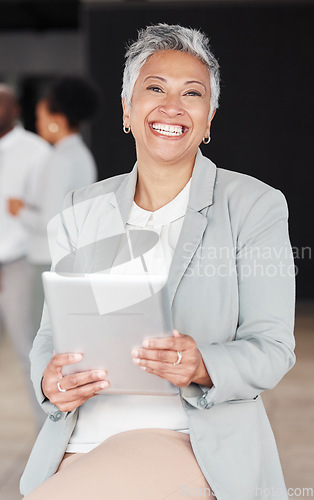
(168, 130)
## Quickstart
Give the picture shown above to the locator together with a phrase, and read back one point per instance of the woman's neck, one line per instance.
(157, 185)
(63, 134)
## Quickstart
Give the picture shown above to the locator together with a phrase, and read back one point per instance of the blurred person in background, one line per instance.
(22, 156)
(68, 102)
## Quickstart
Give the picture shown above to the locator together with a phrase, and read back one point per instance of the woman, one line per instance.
(232, 306)
(60, 113)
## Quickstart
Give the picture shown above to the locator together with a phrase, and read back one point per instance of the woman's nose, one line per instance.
(171, 106)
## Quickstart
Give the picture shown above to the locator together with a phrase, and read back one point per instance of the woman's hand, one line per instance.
(15, 206)
(77, 388)
(158, 356)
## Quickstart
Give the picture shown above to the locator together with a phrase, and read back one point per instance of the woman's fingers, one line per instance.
(176, 333)
(61, 360)
(73, 398)
(177, 375)
(159, 357)
(57, 362)
(166, 349)
(76, 388)
(53, 371)
(83, 378)
(162, 355)
(170, 343)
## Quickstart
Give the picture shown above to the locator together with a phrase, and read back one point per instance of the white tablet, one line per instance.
(106, 316)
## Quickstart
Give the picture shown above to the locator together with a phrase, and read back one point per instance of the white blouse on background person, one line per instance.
(22, 156)
(70, 166)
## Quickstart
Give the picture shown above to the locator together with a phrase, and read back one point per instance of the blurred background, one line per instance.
(263, 128)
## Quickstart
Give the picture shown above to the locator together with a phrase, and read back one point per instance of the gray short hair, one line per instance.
(169, 37)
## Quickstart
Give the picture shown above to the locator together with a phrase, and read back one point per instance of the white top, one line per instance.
(105, 415)
(22, 155)
(70, 166)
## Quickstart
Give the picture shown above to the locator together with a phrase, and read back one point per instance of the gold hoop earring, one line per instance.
(126, 130)
(53, 128)
(206, 140)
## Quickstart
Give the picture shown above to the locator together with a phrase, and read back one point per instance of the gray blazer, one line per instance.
(231, 286)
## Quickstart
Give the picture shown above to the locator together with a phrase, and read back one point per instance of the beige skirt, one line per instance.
(145, 464)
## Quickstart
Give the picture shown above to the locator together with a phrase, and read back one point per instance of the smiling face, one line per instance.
(170, 108)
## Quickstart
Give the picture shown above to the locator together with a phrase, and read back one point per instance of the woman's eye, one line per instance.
(193, 93)
(154, 88)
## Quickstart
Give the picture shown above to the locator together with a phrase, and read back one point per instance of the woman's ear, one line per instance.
(207, 134)
(126, 113)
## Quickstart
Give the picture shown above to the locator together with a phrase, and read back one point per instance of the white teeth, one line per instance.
(170, 130)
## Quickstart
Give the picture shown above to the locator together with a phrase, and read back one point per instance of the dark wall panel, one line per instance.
(264, 124)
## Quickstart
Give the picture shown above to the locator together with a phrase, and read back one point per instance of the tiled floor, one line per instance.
(290, 407)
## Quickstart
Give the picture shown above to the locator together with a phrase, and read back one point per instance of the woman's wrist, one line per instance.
(202, 376)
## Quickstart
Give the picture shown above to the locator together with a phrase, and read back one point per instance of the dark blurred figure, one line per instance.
(22, 155)
(60, 113)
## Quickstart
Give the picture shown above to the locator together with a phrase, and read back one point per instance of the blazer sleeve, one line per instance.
(263, 348)
(42, 351)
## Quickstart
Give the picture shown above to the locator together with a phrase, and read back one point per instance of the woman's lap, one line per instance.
(143, 464)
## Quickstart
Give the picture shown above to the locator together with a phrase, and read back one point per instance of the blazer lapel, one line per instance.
(195, 220)
(119, 206)
(122, 203)
(106, 224)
